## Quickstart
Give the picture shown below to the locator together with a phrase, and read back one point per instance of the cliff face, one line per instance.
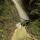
(9, 17)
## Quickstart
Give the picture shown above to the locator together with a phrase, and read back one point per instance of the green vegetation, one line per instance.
(36, 29)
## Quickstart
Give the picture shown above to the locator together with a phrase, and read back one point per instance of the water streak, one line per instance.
(21, 12)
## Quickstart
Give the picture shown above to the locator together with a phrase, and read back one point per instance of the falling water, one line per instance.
(21, 12)
(20, 33)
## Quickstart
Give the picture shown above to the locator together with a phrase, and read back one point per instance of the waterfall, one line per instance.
(21, 12)
(20, 32)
